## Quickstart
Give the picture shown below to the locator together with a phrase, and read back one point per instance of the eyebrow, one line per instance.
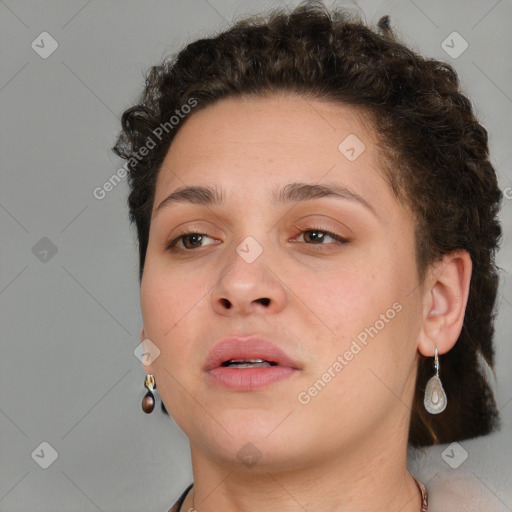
(291, 193)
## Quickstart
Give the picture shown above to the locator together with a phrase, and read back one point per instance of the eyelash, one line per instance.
(339, 239)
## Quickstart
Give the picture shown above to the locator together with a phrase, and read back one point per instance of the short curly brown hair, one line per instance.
(434, 155)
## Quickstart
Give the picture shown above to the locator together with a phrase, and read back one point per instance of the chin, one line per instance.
(256, 440)
(258, 456)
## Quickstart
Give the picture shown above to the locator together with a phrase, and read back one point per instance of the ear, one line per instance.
(446, 291)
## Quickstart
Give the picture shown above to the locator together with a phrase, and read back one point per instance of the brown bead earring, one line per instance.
(148, 402)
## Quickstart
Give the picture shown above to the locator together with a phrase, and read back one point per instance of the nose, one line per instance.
(245, 288)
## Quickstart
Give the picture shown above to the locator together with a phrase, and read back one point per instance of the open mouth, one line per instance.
(248, 363)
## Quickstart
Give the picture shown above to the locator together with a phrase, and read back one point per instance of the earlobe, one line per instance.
(445, 298)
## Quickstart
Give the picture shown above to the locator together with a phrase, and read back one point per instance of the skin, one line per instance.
(345, 450)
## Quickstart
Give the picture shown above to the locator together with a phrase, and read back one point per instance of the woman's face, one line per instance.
(302, 244)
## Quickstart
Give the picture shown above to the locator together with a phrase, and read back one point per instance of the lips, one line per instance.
(248, 364)
(237, 350)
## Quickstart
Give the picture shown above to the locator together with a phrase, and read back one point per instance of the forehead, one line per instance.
(275, 121)
(254, 143)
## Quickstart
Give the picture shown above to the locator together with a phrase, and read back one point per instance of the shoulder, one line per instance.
(471, 476)
(461, 491)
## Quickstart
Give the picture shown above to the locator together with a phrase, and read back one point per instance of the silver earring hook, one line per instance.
(436, 361)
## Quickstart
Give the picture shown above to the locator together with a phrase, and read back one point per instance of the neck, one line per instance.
(372, 480)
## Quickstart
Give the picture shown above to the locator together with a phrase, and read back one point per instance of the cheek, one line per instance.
(341, 301)
(170, 311)
(168, 298)
(358, 311)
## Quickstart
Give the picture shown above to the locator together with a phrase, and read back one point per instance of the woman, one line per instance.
(317, 222)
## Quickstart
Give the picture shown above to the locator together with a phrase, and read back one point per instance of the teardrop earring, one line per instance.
(148, 402)
(435, 400)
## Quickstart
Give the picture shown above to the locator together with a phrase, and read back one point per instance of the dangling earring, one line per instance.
(435, 400)
(148, 402)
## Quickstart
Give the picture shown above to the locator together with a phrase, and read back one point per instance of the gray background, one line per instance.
(70, 320)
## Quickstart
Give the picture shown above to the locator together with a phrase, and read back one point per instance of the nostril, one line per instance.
(226, 303)
(264, 301)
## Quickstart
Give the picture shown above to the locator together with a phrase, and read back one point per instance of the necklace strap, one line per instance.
(177, 506)
(424, 496)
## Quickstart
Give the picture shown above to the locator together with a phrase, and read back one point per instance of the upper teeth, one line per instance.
(247, 363)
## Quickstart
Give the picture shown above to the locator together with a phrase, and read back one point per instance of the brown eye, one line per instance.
(314, 237)
(190, 241)
(321, 237)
